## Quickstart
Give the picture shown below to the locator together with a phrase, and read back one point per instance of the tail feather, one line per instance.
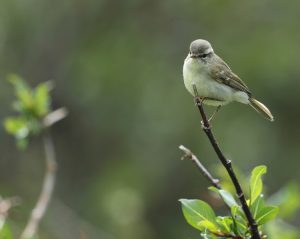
(261, 108)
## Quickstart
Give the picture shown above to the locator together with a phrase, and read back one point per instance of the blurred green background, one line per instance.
(117, 67)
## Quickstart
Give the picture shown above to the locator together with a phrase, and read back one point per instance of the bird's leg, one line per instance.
(215, 112)
(200, 100)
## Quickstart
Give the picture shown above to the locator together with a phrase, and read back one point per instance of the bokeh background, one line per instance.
(117, 67)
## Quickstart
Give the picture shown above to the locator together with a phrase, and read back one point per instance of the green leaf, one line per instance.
(226, 196)
(207, 235)
(23, 92)
(42, 100)
(266, 214)
(20, 129)
(240, 222)
(207, 225)
(33, 103)
(257, 206)
(225, 224)
(16, 126)
(198, 214)
(256, 184)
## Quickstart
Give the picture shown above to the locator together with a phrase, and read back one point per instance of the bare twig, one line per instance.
(47, 190)
(54, 117)
(189, 155)
(227, 164)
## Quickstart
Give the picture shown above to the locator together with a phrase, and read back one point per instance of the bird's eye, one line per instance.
(203, 56)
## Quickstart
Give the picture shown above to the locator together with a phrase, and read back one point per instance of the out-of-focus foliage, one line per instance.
(117, 66)
(288, 199)
(32, 106)
(5, 231)
(278, 229)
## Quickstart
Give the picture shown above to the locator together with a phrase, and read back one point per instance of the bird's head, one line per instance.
(201, 49)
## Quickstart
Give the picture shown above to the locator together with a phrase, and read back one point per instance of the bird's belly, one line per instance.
(207, 87)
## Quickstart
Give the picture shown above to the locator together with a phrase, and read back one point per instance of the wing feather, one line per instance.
(223, 74)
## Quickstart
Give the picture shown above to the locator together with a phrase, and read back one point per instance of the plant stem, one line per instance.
(47, 189)
(227, 164)
(189, 155)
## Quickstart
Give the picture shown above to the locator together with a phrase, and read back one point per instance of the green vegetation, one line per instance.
(201, 216)
(32, 105)
(117, 67)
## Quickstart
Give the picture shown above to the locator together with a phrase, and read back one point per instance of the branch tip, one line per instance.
(187, 153)
(55, 116)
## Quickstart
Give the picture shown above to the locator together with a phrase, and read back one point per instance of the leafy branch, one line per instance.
(245, 217)
(34, 118)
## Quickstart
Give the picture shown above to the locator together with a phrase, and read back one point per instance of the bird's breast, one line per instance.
(195, 72)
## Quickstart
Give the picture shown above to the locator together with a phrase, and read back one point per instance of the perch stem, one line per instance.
(228, 166)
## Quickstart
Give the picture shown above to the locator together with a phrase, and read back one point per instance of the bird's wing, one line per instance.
(221, 62)
(221, 72)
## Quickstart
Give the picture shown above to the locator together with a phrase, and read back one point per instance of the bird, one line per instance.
(216, 84)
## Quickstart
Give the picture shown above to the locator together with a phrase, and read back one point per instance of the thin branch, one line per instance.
(189, 155)
(227, 164)
(54, 117)
(47, 189)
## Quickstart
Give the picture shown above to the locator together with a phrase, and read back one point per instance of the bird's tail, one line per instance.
(261, 108)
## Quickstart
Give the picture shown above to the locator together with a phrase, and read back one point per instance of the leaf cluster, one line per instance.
(32, 105)
(201, 216)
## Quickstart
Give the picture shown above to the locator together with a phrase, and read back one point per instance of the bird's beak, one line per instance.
(193, 55)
